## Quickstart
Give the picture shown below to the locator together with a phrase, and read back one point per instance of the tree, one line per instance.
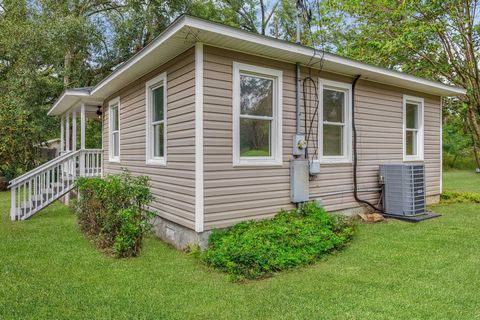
(46, 46)
(457, 141)
(437, 39)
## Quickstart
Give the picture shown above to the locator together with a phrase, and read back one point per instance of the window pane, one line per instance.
(255, 138)
(411, 143)
(158, 103)
(114, 118)
(332, 140)
(158, 145)
(412, 116)
(333, 105)
(116, 147)
(256, 96)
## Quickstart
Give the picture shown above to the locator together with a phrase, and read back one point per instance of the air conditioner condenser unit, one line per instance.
(404, 194)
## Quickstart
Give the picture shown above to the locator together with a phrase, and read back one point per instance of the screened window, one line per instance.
(257, 125)
(413, 128)
(156, 120)
(335, 126)
(114, 137)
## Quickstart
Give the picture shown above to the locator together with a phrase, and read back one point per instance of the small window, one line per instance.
(413, 128)
(257, 115)
(114, 127)
(334, 122)
(156, 120)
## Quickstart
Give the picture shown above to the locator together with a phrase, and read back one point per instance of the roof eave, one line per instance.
(67, 99)
(131, 69)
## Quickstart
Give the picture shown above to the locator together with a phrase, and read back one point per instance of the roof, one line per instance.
(185, 31)
(70, 97)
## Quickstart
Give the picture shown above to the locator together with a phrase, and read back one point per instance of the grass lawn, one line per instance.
(393, 270)
(461, 180)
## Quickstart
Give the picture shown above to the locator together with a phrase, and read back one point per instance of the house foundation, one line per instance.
(177, 235)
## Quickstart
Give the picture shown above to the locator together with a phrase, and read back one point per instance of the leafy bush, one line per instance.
(460, 197)
(112, 212)
(256, 249)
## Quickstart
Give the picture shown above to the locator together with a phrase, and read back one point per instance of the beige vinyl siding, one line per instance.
(173, 185)
(235, 194)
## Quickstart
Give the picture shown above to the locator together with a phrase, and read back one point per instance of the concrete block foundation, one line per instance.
(177, 235)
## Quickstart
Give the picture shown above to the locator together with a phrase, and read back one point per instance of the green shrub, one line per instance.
(112, 212)
(256, 249)
(460, 197)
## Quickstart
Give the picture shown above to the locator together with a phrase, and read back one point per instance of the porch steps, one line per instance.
(42, 186)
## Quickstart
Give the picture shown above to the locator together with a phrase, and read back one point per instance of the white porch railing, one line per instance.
(41, 186)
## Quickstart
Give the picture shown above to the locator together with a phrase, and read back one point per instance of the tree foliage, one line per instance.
(48, 45)
(437, 39)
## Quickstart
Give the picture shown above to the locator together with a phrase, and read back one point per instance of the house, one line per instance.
(213, 115)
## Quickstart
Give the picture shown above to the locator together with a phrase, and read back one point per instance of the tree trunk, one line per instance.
(472, 119)
(475, 152)
(67, 64)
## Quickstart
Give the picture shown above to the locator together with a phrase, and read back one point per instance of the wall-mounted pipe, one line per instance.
(297, 99)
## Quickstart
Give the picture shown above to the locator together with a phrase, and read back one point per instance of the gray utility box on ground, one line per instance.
(404, 189)
(299, 191)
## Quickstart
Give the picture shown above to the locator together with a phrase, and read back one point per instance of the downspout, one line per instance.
(355, 160)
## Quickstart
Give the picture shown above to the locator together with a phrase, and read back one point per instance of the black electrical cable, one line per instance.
(355, 161)
(312, 119)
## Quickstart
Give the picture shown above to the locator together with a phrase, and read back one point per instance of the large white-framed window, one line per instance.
(335, 122)
(257, 115)
(156, 103)
(114, 130)
(413, 128)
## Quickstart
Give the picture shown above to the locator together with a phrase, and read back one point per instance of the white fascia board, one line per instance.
(369, 72)
(68, 98)
(171, 30)
(359, 67)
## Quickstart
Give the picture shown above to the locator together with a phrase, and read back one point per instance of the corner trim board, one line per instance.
(441, 145)
(199, 193)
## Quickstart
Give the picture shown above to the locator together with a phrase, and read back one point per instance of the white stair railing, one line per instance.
(43, 185)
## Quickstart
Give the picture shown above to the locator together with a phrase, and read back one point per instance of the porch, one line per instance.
(36, 189)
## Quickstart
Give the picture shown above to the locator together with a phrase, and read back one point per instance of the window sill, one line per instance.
(114, 160)
(417, 159)
(258, 163)
(157, 162)
(335, 161)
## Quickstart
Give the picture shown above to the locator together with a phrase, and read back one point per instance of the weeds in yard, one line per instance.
(460, 197)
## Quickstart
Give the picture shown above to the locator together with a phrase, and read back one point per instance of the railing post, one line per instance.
(82, 163)
(13, 204)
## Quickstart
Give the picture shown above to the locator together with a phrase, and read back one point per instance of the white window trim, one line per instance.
(347, 134)
(276, 143)
(420, 142)
(112, 103)
(160, 80)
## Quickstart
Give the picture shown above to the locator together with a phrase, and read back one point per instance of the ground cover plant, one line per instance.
(460, 197)
(255, 249)
(112, 211)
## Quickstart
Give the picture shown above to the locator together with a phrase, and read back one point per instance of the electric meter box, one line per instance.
(299, 144)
